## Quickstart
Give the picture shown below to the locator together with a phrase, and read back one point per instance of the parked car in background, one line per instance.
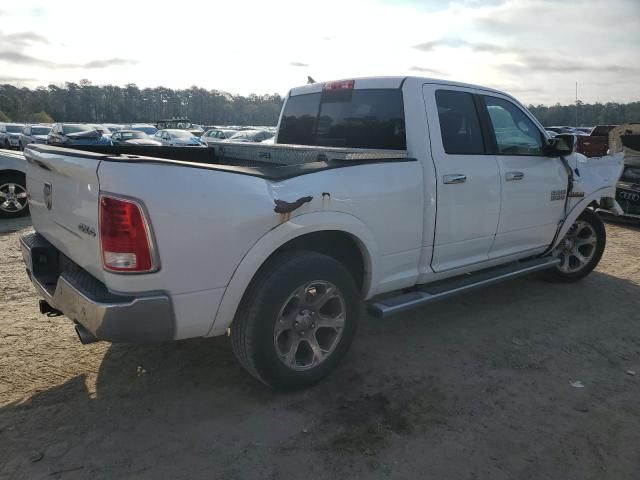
(76, 134)
(178, 138)
(596, 143)
(13, 186)
(10, 134)
(584, 130)
(142, 127)
(561, 129)
(217, 135)
(551, 133)
(133, 137)
(251, 136)
(180, 124)
(34, 134)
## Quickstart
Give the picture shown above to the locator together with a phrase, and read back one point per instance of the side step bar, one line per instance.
(446, 288)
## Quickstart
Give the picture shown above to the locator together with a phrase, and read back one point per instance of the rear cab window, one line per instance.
(459, 123)
(349, 118)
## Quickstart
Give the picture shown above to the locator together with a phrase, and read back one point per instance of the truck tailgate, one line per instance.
(64, 194)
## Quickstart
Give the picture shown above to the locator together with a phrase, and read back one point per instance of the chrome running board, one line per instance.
(432, 292)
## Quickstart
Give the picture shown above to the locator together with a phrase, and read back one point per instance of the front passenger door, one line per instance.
(533, 184)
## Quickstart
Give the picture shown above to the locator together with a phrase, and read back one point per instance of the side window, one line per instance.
(515, 133)
(459, 123)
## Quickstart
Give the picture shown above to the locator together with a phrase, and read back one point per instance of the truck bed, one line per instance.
(271, 162)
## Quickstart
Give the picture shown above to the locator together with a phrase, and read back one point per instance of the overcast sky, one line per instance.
(534, 49)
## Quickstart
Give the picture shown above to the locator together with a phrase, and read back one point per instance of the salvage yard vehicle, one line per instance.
(250, 136)
(142, 127)
(132, 137)
(216, 135)
(596, 143)
(76, 134)
(178, 138)
(10, 135)
(34, 134)
(395, 191)
(13, 190)
(626, 139)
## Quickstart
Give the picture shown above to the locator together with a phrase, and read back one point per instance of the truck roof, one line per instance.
(386, 82)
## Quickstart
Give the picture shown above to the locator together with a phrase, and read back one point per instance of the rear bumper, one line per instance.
(87, 301)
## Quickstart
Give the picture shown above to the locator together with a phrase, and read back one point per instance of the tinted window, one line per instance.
(40, 130)
(459, 123)
(515, 133)
(371, 118)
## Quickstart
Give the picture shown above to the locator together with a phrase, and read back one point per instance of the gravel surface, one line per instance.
(522, 380)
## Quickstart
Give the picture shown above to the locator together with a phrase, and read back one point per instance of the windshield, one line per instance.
(179, 134)
(40, 130)
(364, 118)
(14, 128)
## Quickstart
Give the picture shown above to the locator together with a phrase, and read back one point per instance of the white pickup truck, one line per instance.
(389, 192)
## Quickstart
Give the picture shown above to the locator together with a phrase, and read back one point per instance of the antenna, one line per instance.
(576, 104)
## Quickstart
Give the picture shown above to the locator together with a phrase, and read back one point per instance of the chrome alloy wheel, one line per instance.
(577, 248)
(13, 197)
(309, 325)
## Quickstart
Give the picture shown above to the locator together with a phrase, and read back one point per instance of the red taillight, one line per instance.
(125, 238)
(339, 85)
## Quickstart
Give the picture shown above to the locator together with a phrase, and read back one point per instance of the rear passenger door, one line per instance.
(533, 184)
(468, 179)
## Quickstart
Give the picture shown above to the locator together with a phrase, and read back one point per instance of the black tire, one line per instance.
(10, 211)
(589, 219)
(253, 330)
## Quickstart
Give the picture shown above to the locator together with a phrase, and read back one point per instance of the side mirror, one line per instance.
(561, 145)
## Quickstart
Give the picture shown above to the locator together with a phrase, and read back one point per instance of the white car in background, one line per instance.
(34, 134)
(251, 136)
(10, 135)
(216, 135)
(178, 138)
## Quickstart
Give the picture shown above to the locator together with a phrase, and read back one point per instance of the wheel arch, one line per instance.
(581, 206)
(323, 232)
(9, 171)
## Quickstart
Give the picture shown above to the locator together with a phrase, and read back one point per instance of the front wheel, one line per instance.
(581, 248)
(297, 319)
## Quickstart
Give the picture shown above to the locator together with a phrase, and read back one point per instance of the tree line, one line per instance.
(87, 103)
(84, 102)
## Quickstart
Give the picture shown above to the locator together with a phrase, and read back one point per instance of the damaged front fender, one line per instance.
(594, 180)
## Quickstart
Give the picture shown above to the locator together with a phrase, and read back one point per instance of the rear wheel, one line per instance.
(581, 248)
(13, 196)
(297, 319)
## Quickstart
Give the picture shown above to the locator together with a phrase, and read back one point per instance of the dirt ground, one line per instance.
(477, 387)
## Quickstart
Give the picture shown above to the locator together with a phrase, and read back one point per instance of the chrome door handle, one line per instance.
(454, 178)
(513, 176)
